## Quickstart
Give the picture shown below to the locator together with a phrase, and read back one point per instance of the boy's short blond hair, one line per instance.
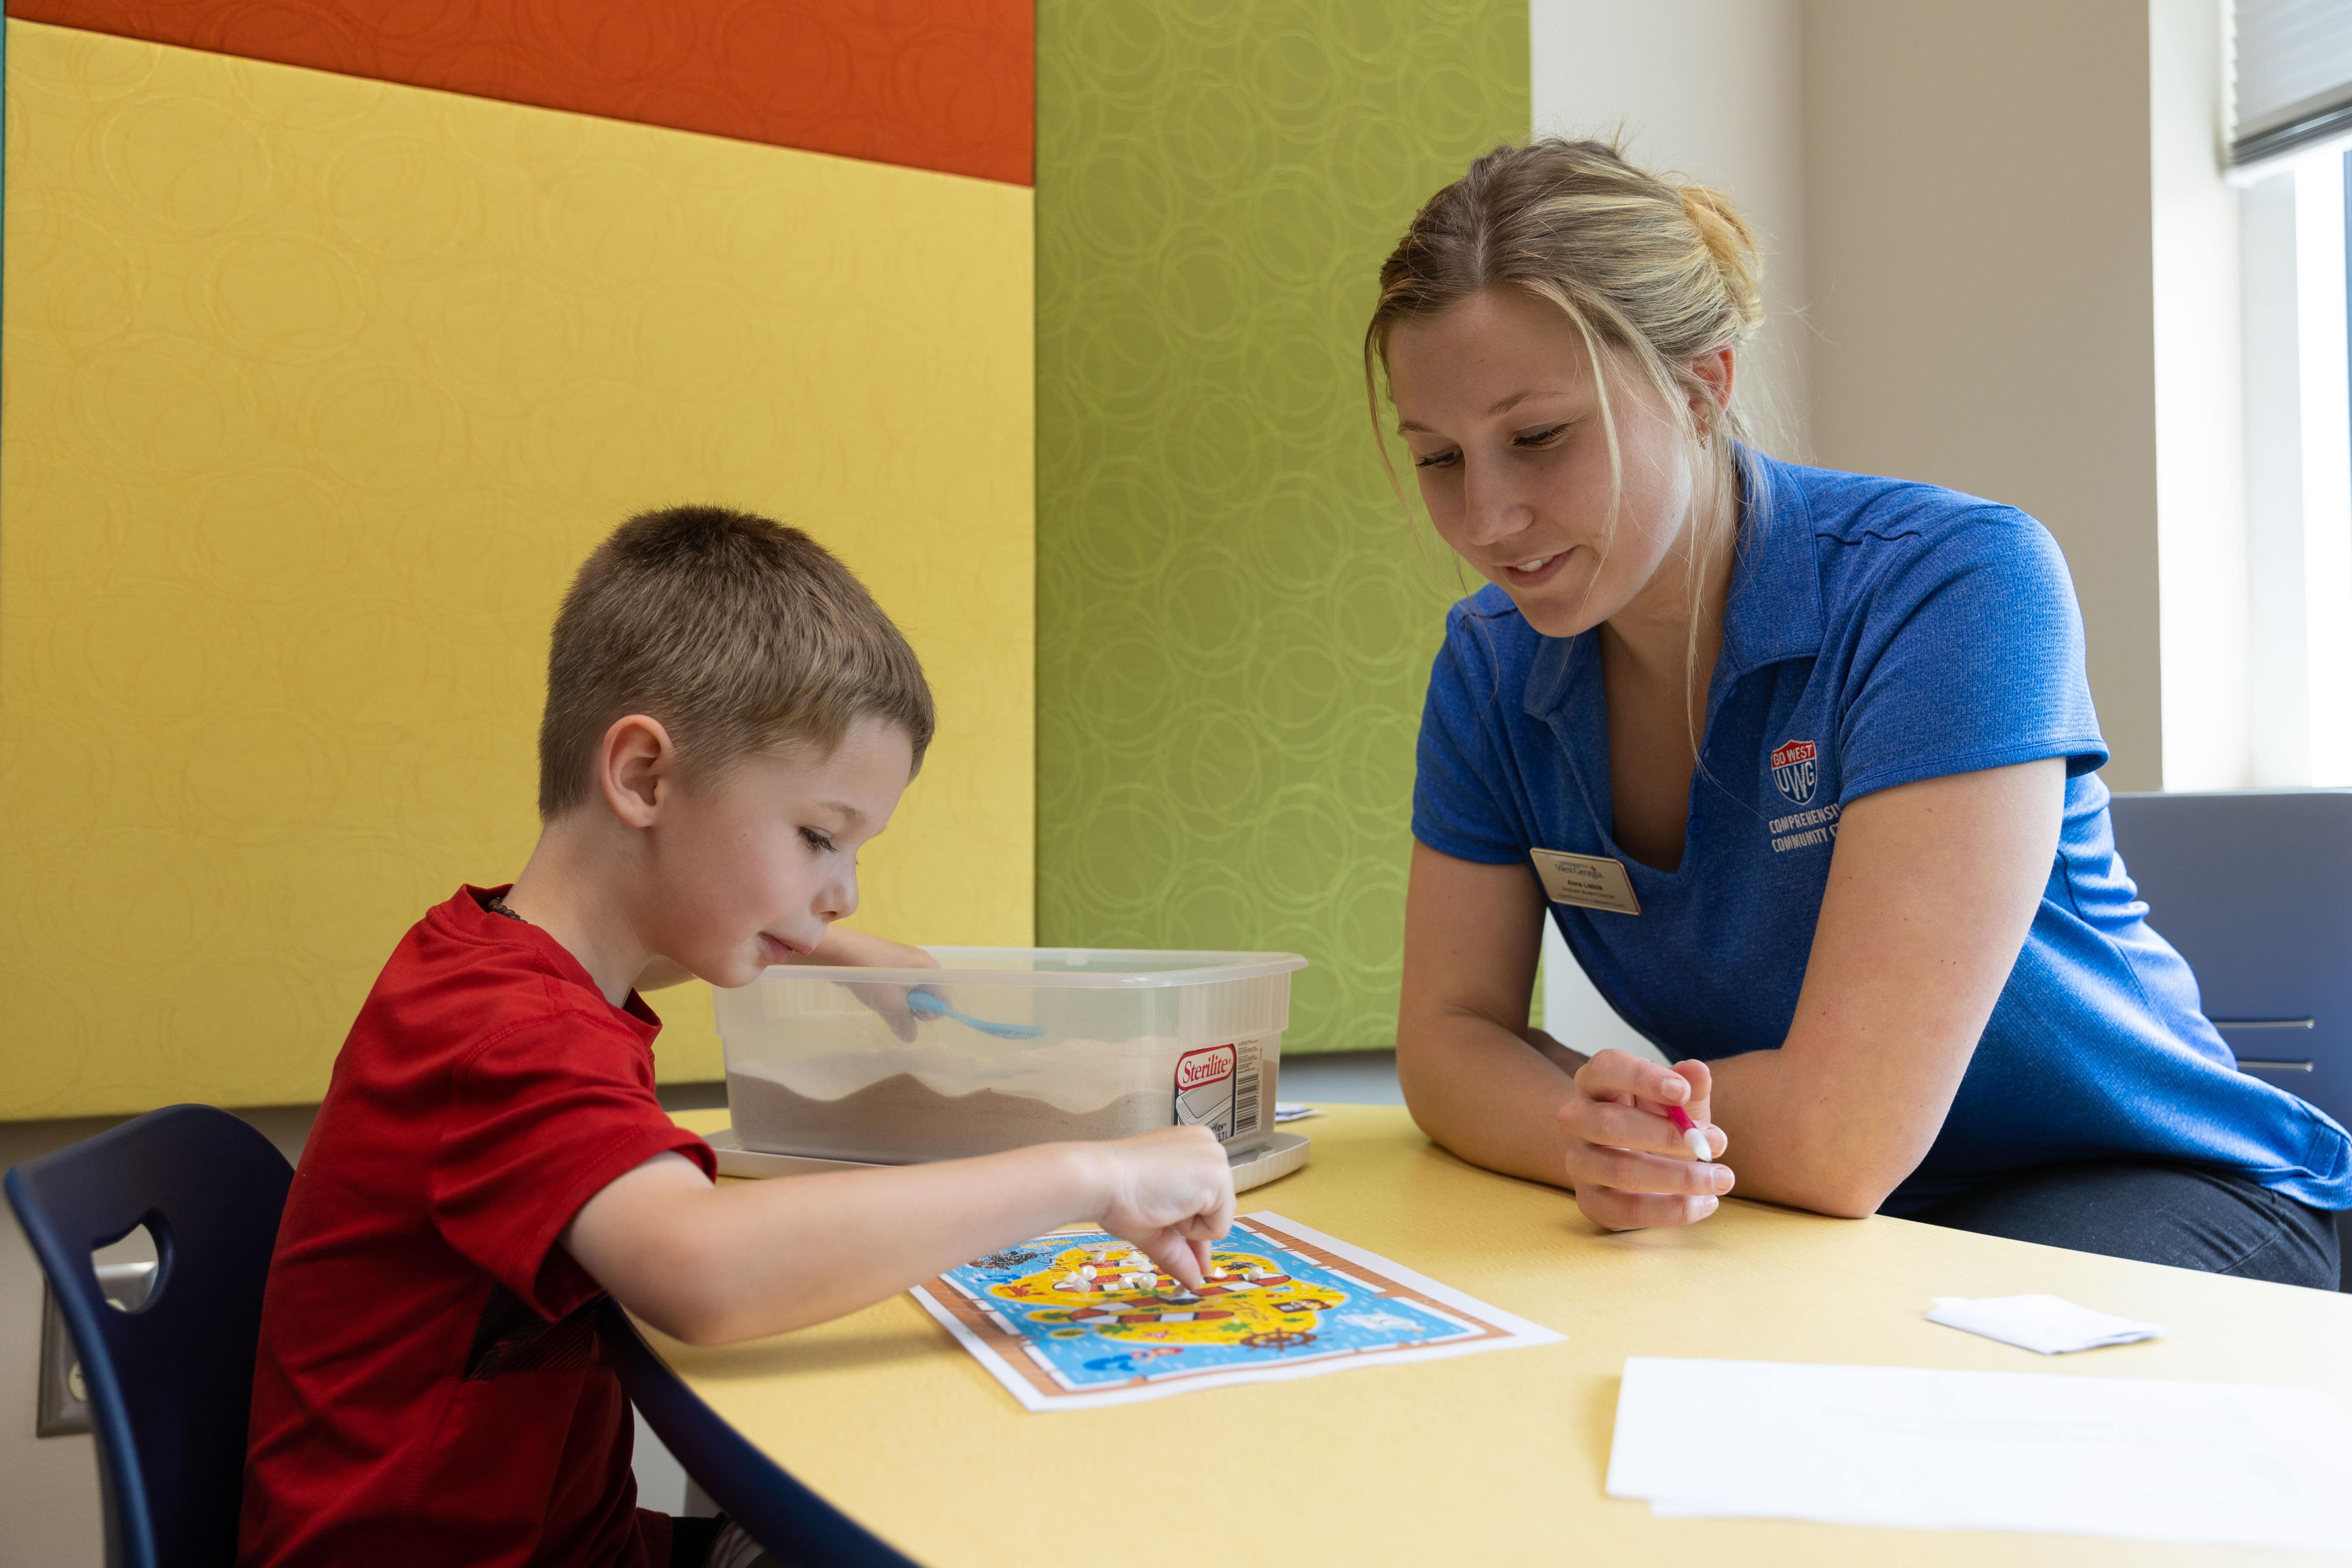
(736, 633)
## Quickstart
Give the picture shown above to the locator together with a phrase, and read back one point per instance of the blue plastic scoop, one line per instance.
(926, 1004)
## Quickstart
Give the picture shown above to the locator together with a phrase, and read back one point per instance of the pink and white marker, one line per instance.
(1693, 1139)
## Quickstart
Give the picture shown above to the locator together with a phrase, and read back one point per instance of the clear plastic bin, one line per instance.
(1123, 1042)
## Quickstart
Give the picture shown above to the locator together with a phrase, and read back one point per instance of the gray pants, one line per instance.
(2185, 1215)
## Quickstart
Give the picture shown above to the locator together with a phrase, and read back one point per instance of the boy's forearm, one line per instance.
(841, 945)
(864, 950)
(865, 1235)
(752, 1258)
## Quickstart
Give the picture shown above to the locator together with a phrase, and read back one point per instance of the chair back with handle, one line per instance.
(170, 1383)
(2254, 888)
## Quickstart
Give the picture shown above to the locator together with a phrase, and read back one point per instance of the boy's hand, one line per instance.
(840, 945)
(864, 950)
(1170, 1192)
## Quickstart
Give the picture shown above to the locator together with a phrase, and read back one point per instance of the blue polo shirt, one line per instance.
(1878, 632)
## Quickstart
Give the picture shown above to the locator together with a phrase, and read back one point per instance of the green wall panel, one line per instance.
(1235, 619)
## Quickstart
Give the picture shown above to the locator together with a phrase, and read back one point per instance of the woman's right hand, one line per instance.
(1626, 1158)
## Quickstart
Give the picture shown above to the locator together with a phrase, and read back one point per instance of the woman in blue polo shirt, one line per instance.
(1801, 763)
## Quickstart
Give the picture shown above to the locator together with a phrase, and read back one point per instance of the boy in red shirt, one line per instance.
(729, 716)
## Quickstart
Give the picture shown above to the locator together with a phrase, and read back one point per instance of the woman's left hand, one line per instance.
(1626, 1158)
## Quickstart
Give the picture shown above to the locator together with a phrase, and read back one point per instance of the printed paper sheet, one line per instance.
(1080, 1318)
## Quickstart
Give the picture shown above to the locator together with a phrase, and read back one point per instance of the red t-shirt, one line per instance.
(430, 1387)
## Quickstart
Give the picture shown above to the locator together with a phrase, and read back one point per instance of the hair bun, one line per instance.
(1733, 245)
(1666, 271)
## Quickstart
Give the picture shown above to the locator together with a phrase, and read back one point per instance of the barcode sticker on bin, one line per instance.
(1217, 1088)
(1246, 1081)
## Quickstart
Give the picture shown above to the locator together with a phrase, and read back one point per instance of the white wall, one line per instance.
(1978, 247)
(2323, 414)
(2203, 594)
(1709, 89)
(2280, 708)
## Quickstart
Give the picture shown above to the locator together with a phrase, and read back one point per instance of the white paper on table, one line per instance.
(1293, 1111)
(2218, 1463)
(2051, 1325)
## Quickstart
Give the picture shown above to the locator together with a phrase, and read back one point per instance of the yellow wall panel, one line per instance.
(316, 392)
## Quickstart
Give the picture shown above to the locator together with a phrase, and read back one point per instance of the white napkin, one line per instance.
(2049, 1324)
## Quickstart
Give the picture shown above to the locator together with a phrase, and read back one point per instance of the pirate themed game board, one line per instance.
(1081, 1319)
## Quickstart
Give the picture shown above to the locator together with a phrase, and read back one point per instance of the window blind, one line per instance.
(2292, 76)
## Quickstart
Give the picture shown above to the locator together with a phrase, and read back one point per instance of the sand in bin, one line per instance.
(899, 1119)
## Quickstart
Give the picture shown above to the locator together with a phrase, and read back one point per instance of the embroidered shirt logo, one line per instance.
(1796, 769)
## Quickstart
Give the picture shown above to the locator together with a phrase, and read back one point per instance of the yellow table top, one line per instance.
(1488, 1459)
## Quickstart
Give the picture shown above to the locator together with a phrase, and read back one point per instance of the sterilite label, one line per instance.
(1217, 1088)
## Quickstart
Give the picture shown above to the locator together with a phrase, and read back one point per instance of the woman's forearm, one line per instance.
(1798, 1137)
(1488, 1095)
(1808, 1140)
(1489, 1092)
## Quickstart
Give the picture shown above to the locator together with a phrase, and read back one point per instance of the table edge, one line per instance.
(780, 1511)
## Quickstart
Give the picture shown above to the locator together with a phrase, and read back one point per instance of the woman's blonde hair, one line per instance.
(1661, 272)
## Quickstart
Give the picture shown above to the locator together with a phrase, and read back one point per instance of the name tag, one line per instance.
(1588, 881)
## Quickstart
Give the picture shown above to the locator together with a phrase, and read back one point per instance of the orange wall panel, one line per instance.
(930, 84)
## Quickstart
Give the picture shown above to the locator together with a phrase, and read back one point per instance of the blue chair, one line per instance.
(2255, 888)
(171, 1384)
(794, 1524)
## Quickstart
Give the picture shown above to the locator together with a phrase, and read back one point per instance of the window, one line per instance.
(2290, 150)
(2299, 470)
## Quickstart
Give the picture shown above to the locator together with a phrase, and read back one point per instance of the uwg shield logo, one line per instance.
(1796, 769)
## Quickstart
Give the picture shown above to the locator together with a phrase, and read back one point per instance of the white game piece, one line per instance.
(1087, 1272)
(1216, 1274)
